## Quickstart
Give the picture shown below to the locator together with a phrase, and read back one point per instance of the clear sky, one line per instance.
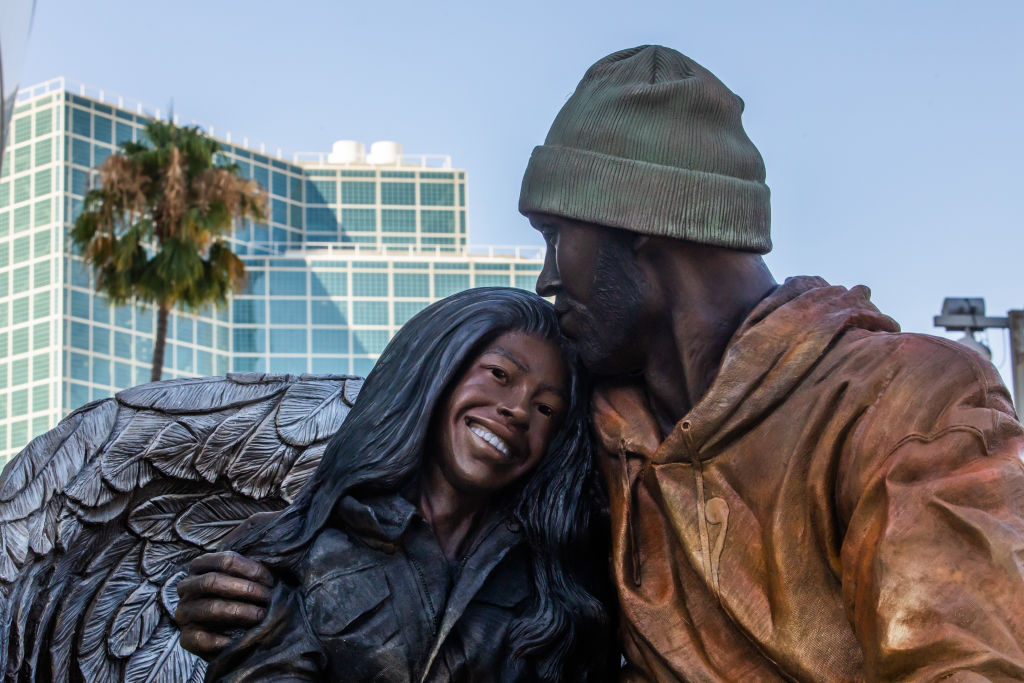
(891, 130)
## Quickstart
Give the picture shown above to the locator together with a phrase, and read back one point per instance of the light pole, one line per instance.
(967, 314)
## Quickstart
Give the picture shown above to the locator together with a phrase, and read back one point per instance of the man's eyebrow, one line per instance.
(504, 352)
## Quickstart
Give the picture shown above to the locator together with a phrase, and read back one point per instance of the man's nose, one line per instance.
(549, 282)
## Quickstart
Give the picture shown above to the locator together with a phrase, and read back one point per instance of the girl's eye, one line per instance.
(499, 374)
(546, 411)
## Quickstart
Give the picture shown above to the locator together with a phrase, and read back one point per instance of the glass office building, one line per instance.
(354, 244)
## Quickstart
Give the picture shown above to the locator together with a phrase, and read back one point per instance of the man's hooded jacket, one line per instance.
(844, 503)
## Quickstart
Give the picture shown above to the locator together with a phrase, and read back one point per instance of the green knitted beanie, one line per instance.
(652, 142)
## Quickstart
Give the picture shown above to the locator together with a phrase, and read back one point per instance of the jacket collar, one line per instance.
(781, 340)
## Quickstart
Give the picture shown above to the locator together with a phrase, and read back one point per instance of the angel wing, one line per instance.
(100, 517)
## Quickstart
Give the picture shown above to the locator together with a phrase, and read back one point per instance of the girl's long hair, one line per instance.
(380, 448)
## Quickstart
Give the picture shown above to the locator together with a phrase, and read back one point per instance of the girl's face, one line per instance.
(499, 417)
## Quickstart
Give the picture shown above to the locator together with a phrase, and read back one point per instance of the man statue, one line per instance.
(798, 491)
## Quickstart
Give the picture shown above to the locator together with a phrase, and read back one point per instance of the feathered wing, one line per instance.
(100, 517)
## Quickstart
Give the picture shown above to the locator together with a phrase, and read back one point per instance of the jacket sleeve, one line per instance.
(933, 555)
(282, 648)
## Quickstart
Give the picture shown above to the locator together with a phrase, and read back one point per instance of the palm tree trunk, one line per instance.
(159, 343)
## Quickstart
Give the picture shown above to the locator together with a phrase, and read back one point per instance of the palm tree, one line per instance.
(155, 228)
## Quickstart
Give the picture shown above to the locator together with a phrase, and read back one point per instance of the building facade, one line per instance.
(354, 244)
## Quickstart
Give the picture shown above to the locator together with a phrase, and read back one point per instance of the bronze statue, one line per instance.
(797, 490)
(442, 533)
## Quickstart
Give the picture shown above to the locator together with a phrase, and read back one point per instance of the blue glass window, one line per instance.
(359, 220)
(287, 341)
(44, 152)
(183, 329)
(42, 245)
(321, 192)
(437, 194)
(287, 312)
(412, 285)
(398, 220)
(80, 123)
(19, 371)
(102, 128)
(80, 366)
(183, 359)
(527, 282)
(249, 340)
(321, 218)
(330, 341)
(328, 312)
(356, 192)
(280, 212)
(41, 367)
(446, 284)
(370, 284)
(249, 311)
(80, 305)
(248, 364)
(255, 282)
(100, 309)
(122, 133)
(398, 193)
(204, 333)
(407, 309)
(100, 339)
(101, 371)
(492, 280)
(330, 366)
(144, 350)
(437, 221)
(280, 184)
(369, 341)
(287, 283)
(204, 363)
(370, 312)
(81, 152)
(292, 366)
(123, 346)
(44, 121)
(261, 175)
(40, 336)
(329, 283)
(122, 375)
(80, 335)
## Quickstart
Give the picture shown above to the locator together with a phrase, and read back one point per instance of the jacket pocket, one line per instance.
(341, 599)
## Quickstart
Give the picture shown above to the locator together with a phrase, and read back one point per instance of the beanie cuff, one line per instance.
(647, 198)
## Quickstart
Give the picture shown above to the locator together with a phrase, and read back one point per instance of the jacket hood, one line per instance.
(778, 344)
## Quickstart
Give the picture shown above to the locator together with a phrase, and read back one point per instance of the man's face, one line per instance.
(591, 272)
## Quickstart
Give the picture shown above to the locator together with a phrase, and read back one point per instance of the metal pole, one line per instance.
(1017, 359)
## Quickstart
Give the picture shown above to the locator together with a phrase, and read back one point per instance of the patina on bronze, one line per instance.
(442, 533)
(797, 490)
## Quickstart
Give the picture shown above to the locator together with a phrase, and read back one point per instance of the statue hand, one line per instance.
(223, 591)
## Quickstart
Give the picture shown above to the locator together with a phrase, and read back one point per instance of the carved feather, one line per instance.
(155, 518)
(304, 467)
(311, 411)
(100, 517)
(135, 621)
(162, 660)
(52, 460)
(208, 521)
(213, 457)
(201, 394)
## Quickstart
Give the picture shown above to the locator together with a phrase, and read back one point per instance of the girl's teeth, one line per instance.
(491, 438)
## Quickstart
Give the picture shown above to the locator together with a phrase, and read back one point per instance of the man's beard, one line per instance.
(608, 326)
